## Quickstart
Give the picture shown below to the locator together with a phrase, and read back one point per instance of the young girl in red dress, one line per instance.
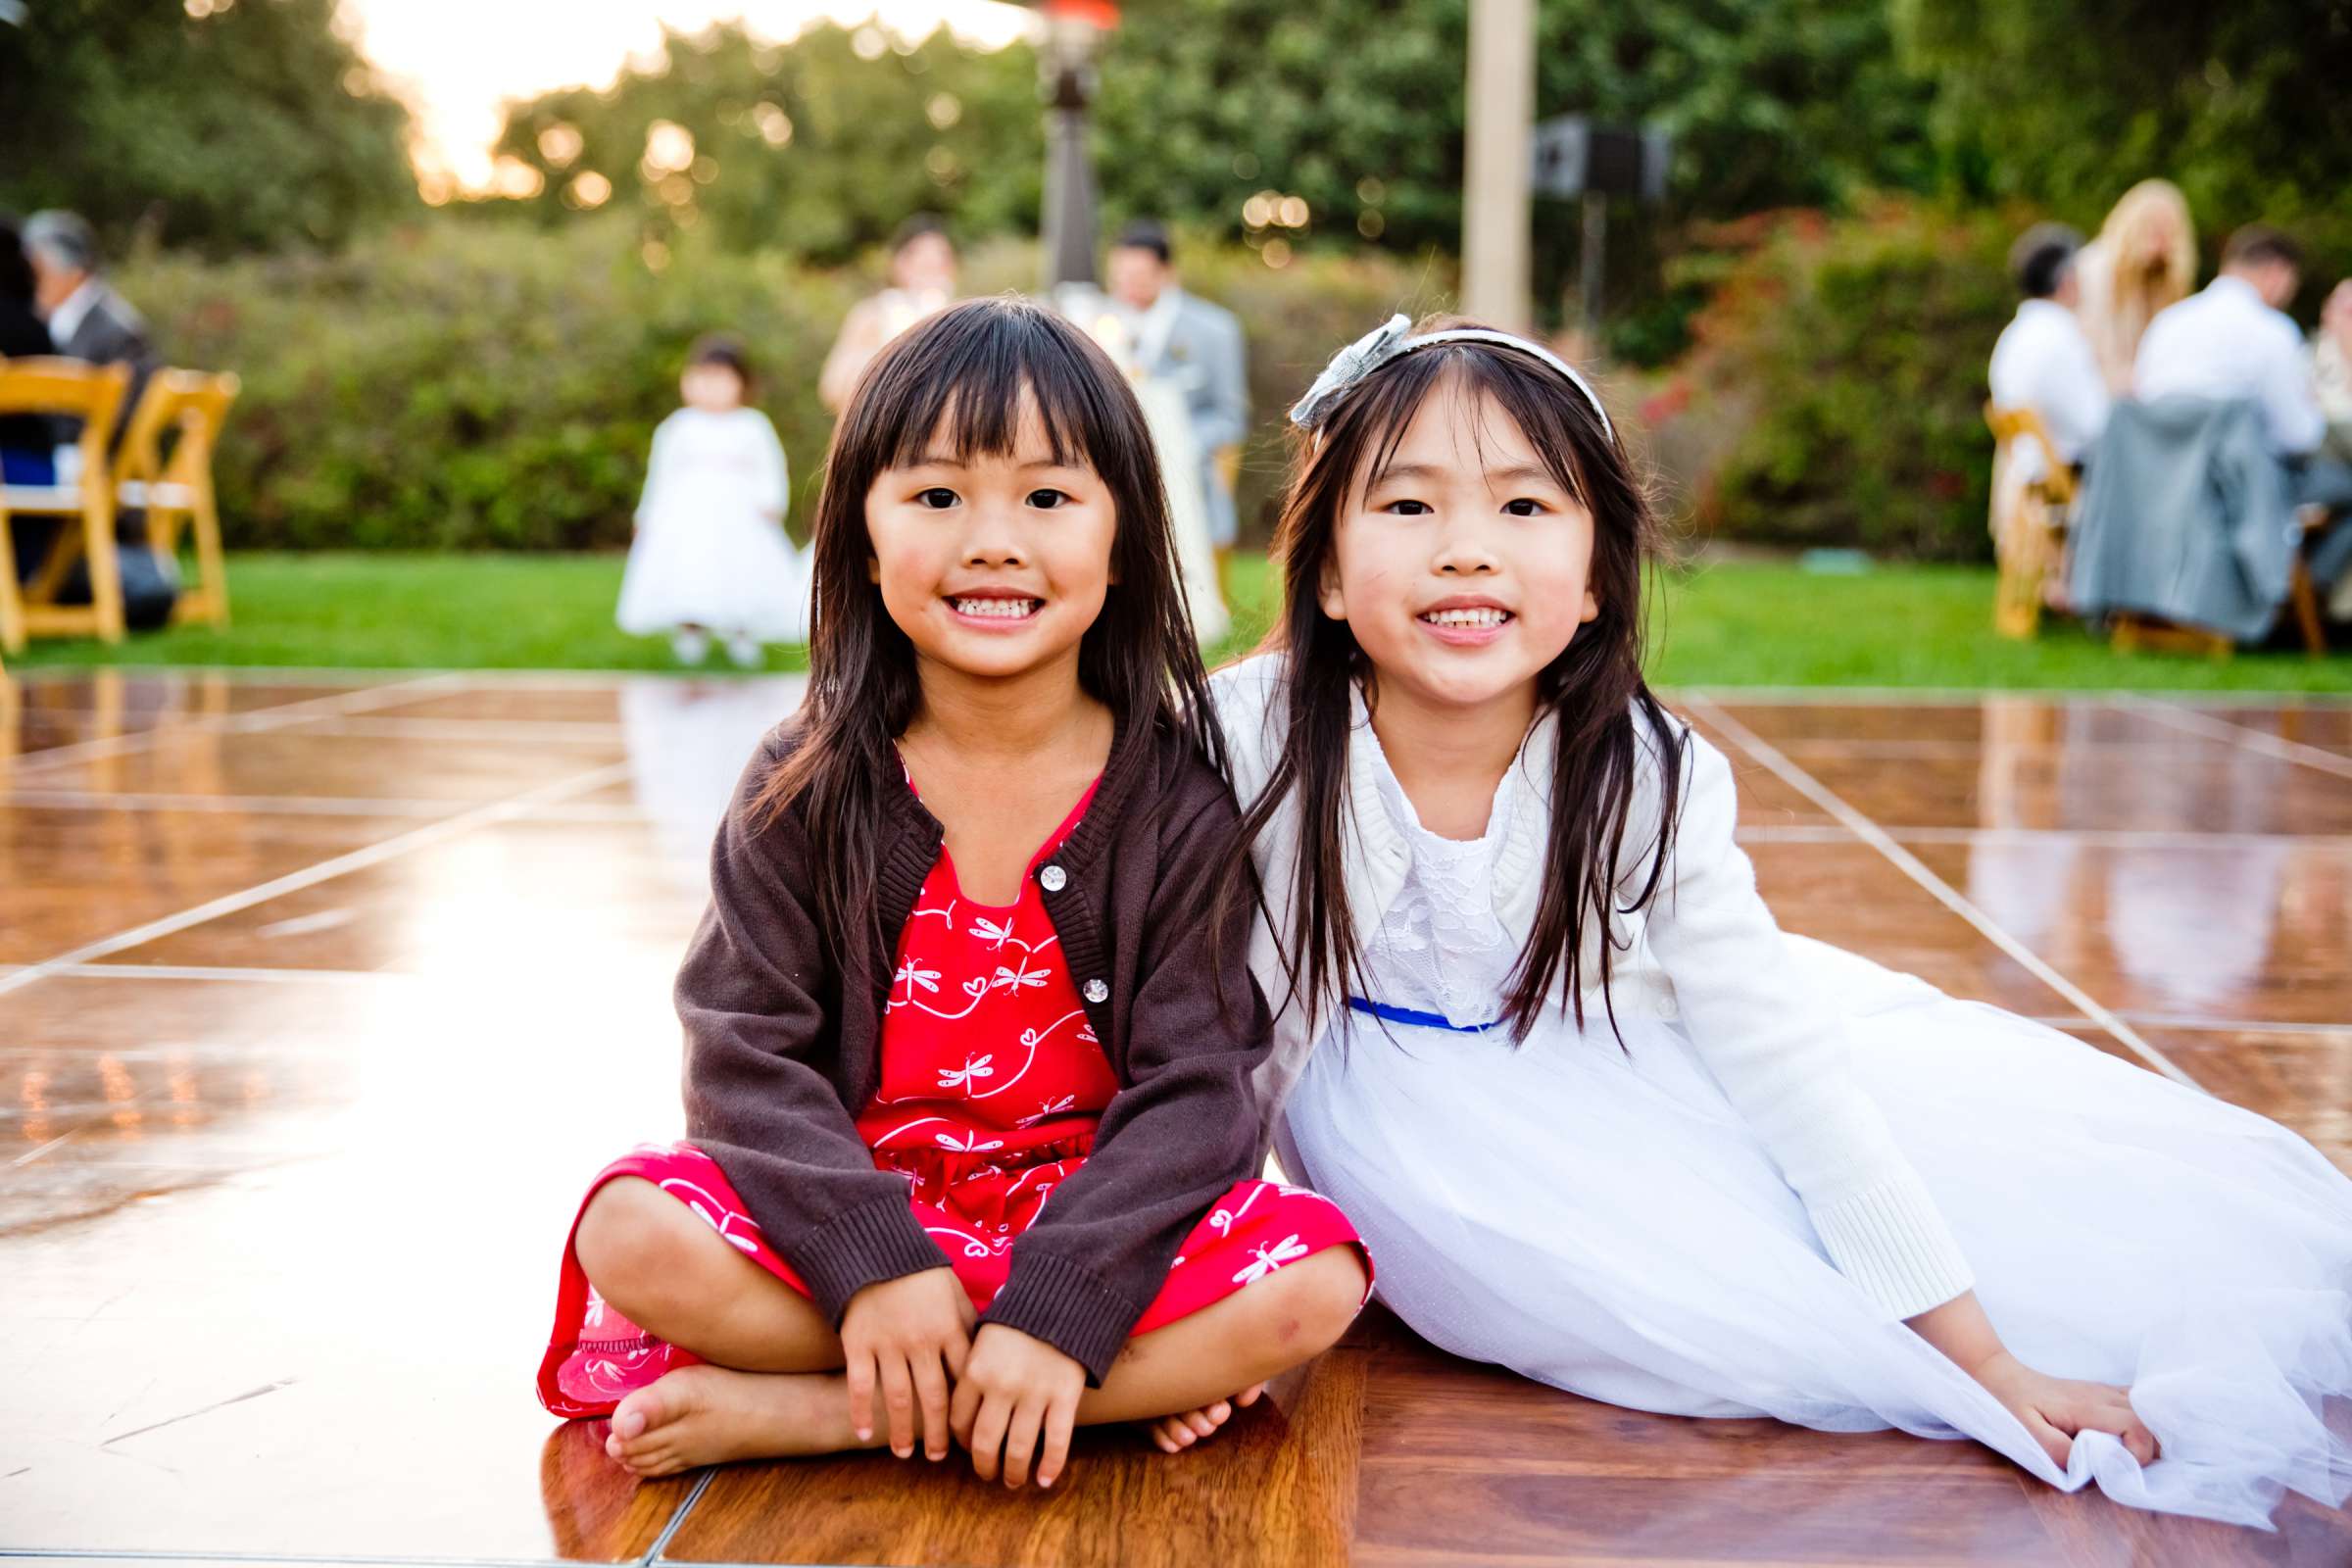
(972, 1142)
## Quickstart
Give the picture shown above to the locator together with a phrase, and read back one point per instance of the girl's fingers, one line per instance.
(931, 1393)
(1020, 1442)
(963, 1405)
(897, 1396)
(2054, 1442)
(861, 1394)
(958, 1349)
(988, 1435)
(1061, 1417)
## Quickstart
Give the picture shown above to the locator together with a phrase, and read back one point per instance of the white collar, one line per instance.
(1376, 874)
(74, 310)
(2227, 287)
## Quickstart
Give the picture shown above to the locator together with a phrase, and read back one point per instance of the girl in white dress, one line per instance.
(1600, 1120)
(711, 555)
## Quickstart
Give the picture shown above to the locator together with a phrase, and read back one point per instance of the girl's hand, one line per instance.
(1018, 1395)
(2055, 1409)
(912, 1335)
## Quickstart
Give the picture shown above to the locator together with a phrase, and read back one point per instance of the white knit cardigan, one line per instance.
(1708, 951)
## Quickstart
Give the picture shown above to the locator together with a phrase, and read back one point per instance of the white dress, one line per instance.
(1601, 1219)
(709, 551)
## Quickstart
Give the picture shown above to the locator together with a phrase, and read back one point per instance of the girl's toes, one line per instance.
(1249, 1396)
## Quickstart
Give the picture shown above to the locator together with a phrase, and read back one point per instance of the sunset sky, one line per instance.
(457, 61)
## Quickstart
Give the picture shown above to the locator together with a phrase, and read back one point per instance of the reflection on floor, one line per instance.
(320, 1000)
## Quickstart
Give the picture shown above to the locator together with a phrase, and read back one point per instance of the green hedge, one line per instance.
(462, 384)
(1836, 392)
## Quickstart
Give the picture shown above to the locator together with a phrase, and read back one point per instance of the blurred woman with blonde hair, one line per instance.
(2145, 258)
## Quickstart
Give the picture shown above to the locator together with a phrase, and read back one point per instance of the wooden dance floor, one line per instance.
(319, 1000)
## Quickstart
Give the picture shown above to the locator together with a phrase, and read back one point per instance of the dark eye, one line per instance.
(939, 498)
(1408, 509)
(1046, 500)
(1523, 507)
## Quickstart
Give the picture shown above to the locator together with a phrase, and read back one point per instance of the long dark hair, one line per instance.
(958, 382)
(1594, 687)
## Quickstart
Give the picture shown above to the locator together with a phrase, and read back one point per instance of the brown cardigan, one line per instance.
(783, 1048)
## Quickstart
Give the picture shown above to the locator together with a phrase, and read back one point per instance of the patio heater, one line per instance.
(1074, 31)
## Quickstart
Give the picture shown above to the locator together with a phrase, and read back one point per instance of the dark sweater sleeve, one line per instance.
(1174, 1139)
(758, 1100)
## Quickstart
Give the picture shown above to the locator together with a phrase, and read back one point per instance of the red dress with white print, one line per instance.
(992, 1086)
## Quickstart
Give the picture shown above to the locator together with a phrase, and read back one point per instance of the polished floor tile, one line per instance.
(282, 763)
(70, 876)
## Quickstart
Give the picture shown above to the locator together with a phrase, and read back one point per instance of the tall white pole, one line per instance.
(1499, 122)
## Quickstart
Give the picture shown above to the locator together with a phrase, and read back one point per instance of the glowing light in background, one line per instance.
(458, 62)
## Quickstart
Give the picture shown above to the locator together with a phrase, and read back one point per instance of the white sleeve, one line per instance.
(2079, 401)
(2291, 404)
(775, 475)
(656, 469)
(1783, 1055)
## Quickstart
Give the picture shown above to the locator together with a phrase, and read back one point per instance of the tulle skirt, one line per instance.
(1602, 1220)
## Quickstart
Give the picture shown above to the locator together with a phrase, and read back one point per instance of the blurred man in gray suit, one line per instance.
(87, 319)
(1196, 346)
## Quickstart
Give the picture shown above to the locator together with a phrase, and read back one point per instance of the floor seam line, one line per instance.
(1951, 897)
(326, 871)
(677, 1519)
(2278, 747)
(258, 721)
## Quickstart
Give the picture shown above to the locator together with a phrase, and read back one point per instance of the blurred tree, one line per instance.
(1354, 108)
(817, 147)
(220, 124)
(2067, 102)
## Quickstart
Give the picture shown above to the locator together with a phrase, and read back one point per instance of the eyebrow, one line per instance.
(948, 460)
(1515, 473)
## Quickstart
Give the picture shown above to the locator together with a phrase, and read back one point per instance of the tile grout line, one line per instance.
(1944, 892)
(2254, 740)
(360, 859)
(2122, 838)
(156, 1555)
(677, 1519)
(260, 719)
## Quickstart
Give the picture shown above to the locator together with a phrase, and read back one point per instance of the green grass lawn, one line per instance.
(1727, 624)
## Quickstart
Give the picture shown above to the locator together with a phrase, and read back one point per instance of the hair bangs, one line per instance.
(1486, 380)
(992, 378)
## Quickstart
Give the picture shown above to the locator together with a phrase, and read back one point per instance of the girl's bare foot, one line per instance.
(702, 1415)
(1176, 1433)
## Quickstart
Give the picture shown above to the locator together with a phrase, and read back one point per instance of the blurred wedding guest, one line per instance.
(26, 440)
(2043, 361)
(1181, 338)
(922, 281)
(2145, 258)
(711, 558)
(2331, 370)
(2235, 340)
(87, 319)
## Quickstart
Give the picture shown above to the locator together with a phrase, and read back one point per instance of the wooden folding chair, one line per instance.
(175, 490)
(92, 394)
(2028, 540)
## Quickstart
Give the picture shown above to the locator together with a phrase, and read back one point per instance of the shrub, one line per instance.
(1836, 392)
(468, 384)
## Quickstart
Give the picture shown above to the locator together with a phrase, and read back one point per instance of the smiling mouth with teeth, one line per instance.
(1484, 615)
(997, 608)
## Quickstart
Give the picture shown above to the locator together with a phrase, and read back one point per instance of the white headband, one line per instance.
(1389, 341)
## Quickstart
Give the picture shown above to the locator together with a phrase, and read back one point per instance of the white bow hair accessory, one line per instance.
(1391, 340)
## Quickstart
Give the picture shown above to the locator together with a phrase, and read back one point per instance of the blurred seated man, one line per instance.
(2234, 339)
(2043, 359)
(87, 319)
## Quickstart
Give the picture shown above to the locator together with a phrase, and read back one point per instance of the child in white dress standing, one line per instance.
(1601, 1120)
(711, 557)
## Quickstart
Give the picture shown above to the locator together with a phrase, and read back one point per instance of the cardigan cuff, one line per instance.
(1891, 1240)
(1053, 1300)
(860, 1247)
